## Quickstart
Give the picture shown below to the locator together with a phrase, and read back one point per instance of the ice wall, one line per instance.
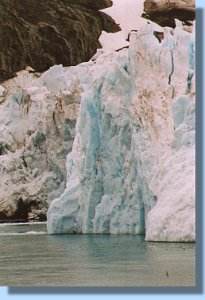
(104, 191)
(37, 129)
(131, 169)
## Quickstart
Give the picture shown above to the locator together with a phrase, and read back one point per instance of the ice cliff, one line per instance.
(131, 169)
(37, 128)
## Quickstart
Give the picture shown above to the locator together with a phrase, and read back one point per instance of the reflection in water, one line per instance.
(92, 260)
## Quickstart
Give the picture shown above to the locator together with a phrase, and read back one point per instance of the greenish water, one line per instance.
(29, 257)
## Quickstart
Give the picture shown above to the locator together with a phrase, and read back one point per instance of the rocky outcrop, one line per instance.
(131, 169)
(164, 12)
(43, 33)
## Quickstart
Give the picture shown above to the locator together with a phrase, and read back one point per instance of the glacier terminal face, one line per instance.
(37, 129)
(131, 168)
(104, 191)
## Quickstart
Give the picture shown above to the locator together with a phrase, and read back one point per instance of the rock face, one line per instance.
(43, 33)
(131, 169)
(164, 12)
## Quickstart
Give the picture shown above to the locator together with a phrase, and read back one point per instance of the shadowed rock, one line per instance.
(44, 33)
(164, 12)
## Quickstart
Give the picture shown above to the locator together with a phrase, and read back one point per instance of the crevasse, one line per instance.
(131, 169)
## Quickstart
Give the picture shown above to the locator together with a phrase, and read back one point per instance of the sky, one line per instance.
(127, 13)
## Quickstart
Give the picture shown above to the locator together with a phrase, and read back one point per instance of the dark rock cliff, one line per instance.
(41, 33)
(164, 12)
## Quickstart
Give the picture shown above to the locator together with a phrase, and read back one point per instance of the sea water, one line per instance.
(30, 257)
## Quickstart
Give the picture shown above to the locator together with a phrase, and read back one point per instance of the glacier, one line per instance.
(37, 129)
(132, 166)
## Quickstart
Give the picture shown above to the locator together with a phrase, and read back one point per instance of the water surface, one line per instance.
(30, 257)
